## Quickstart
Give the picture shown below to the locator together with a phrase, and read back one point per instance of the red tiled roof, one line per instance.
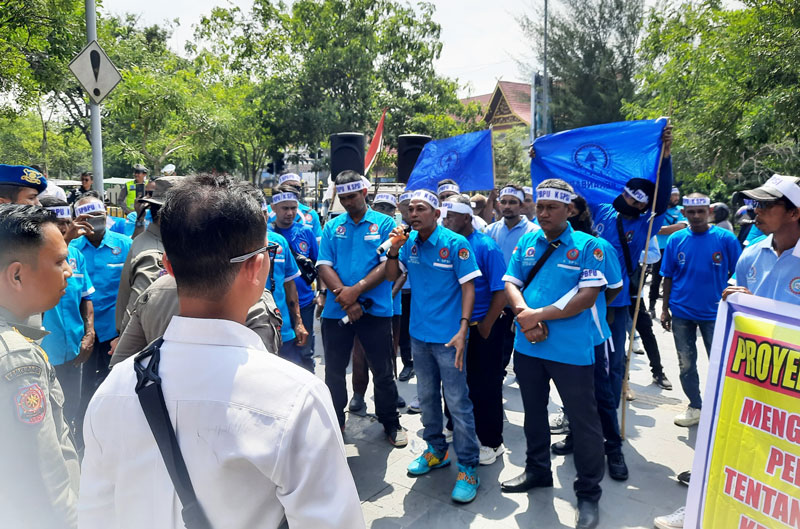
(483, 100)
(517, 95)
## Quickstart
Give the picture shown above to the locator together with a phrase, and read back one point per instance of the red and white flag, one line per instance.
(375, 145)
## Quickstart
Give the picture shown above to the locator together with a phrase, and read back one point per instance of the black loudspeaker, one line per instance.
(408, 148)
(347, 153)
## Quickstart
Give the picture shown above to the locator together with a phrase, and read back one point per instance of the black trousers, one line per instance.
(360, 368)
(485, 381)
(644, 326)
(508, 331)
(405, 337)
(95, 371)
(575, 384)
(375, 334)
(655, 280)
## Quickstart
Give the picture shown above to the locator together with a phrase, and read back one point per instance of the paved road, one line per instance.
(656, 451)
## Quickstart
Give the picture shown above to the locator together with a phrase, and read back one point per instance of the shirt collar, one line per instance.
(796, 251)
(29, 331)
(211, 332)
(154, 230)
(434, 238)
(366, 218)
(522, 220)
(565, 237)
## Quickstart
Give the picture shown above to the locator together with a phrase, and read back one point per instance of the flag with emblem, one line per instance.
(597, 161)
(466, 158)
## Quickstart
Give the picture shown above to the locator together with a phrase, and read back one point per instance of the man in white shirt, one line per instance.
(259, 434)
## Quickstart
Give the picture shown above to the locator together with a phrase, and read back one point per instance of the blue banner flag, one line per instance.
(466, 158)
(598, 160)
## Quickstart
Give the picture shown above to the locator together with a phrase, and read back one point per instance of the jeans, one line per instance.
(302, 356)
(375, 334)
(685, 334)
(644, 326)
(616, 358)
(434, 364)
(575, 384)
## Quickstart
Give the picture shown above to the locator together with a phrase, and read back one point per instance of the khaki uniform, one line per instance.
(155, 307)
(39, 469)
(142, 267)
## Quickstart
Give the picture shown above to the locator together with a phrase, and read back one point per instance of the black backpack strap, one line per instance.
(626, 251)
(540, 263)
(148, 389)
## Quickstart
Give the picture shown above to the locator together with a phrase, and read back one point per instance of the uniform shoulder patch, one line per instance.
(463, 254)
(598, 254)
(31, 404)
(22, 371)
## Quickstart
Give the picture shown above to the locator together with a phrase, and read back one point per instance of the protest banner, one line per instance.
(746, 471)
(466, 158)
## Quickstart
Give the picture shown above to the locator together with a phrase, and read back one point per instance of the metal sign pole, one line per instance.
(97, 137)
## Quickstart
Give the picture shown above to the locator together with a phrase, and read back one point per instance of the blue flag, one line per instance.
(466, 158)
(597, 161)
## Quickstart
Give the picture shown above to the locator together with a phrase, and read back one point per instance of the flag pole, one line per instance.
(638, 301)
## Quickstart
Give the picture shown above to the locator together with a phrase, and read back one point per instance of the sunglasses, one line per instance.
(271, 249)
(764, 204)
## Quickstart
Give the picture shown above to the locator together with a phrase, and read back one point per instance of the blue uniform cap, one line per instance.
(23, 176)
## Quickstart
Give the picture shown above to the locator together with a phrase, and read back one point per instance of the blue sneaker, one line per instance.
(467, 484)
(428, 461)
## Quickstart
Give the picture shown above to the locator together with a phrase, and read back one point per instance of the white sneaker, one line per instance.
(688, 418)
(671, 521)
(448, 435)
(559, 423)
(489, 455)
(638, 348)
(414, 406)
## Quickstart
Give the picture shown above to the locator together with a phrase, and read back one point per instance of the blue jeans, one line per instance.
(302, 356)
(685, 333)
(616, 358)
(433, 363)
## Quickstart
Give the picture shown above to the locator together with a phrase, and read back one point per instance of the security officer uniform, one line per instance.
(155, 308)
(40, 470)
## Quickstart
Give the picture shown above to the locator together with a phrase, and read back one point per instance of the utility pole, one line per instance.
(97, 138)
(545, 80)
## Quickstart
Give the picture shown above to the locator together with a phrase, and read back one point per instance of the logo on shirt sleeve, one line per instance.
(31, 404)
(573, 254)
(463, 254)
(598, 254)
(73, 264)
(444, 253)
(681, 258)
(530, 252)
(794, 285)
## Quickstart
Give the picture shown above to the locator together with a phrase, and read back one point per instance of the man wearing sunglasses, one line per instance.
(257, 433)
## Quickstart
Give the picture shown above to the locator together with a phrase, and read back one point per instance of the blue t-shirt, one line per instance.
(64, 321)
(303, 242)
(577, 263)
(284, 269)
(605, 225)
(769, 276)
(507, 239)
(351, 250)
(672, 216)
(104, 265)
(305, 216)
(436, 269)
(754, 235)
(699, 265)
(613, 274)
(492, 267)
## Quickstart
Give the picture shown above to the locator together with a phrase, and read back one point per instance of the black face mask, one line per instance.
(624, 208)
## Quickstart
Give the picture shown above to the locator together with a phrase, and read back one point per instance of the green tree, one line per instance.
(591, 57)
(511, 160)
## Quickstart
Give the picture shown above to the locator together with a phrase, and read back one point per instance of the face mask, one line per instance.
(624, 208)
(97, 223)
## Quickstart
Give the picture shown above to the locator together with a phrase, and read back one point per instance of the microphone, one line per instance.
(384, 247)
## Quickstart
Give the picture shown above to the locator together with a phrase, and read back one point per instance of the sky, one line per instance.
(481, 39)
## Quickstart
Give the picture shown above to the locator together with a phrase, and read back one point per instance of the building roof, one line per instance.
(509, 99)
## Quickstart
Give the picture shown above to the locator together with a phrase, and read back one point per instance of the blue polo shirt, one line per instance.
(64, 321)
(605, 225)
(284, 269)
(507, 239)
(104, 265)
(769, 276)
(672, 216)
(699, 265)
(305, 216)
(351, 250)
(436, 269)
(492, 267)
(577, 263)
(613, 274)
(303, 242)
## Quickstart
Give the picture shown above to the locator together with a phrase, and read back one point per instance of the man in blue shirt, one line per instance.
(303, 244)
(105, 253)
(697, 264)
(552, 283)
(359, 301)
(484, 347)
(441, 268)
(71, 322)
(629, 215)
(673, 221)
(305, 215)
(506, 233)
